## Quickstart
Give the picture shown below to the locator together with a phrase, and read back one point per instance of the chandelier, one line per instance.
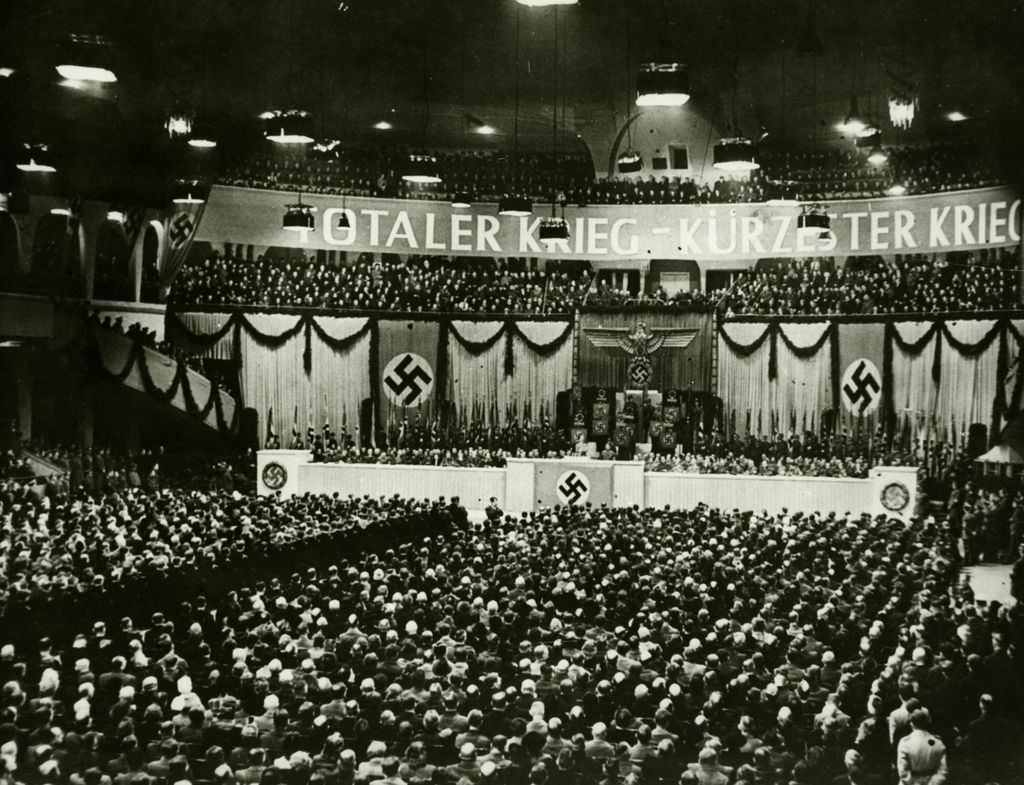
(902, 108)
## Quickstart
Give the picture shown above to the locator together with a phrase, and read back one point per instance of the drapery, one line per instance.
(316, 369)
(774, 377)
(938, 377)
(476, 375)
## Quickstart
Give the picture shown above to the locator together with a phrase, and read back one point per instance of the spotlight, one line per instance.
(662, 84)
(735, 155)
(516, 206)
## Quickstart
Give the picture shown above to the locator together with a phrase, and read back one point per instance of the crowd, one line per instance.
(961, 282)
(584, 645)
(419, 284)
(567, 178)
(990, 520)
(136, 331)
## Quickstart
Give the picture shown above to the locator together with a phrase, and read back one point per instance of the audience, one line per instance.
(420, 284)
(487, 177)
(981, 281)
(569, 645)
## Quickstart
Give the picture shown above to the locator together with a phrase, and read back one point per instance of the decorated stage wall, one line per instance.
(312, 370)
(923, 379)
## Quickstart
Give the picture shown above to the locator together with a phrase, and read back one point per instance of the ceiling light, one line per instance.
(201, 143)
(662, 84)
(288, 127)
(298, 217)
(187, 192)
(553, 229)
(515, 206)
(201, 137)
(6, 72)
(902, 108)
(813, 220)
(421, 169)
(86, 73)
(539, 3)
(343, 221)
(878, 156)
(630, 162)
(462, 200)
(898, 189)
(178, 125)
(36, 158)
(956, 117)
(486, 130)
(60, 211)
(735, 155)
(383, 125)
(115, 215)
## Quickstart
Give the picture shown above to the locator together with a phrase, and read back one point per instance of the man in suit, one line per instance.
(920, 756)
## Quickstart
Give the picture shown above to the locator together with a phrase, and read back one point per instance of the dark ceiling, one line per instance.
(425, 64)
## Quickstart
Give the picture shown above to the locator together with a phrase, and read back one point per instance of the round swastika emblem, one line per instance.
(408, 380)
(861, 387)
(274, 476)
(895, 496)
(573, 488)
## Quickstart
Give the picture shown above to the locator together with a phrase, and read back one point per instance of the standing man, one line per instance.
(920, 756)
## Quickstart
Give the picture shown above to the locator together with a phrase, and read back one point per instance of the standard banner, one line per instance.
(408, 370)
(961, 220)
(861, 359)
(573, 484)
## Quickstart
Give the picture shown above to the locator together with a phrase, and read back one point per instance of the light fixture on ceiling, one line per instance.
(201, 137)
(86, 58)
(813, 220)
(178, 125)
(877, 156)
(735, 155)
(515, 206)
(6, 72)
(896, 189)
(115, 215)
(36, 158)
(187, 192)
(462, 200)
(298, 217)
(956, 116)
(343, 221)
(553, 229)
(629, 162)
(421, 169)
(63, 211)
(293, 126)
(662, 84)
(541, 3)
(383, 125)
(902, 109)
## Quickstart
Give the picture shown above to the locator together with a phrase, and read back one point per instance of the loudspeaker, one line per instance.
(248, 429)
(977, 439)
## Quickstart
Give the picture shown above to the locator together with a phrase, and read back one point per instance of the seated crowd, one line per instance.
(980, 281)
(419, 284)
(568, 178)
(431, 443)
(136, 331)
(583, 645)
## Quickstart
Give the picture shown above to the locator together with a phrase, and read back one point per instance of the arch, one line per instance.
(113, 278)
(11, 273)
(152, 250)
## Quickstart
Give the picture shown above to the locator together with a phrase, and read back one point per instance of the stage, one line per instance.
(530, 484)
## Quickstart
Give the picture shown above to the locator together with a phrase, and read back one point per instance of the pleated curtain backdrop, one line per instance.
(804, 385)
(207, 323)
(743, 382)
(968, 384)
(275, 377)
(475, 380)
(535, 377)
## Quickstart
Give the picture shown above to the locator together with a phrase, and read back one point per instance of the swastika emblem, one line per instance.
(274, 476)
(861, 387)
(181, 229)
(408, 379)
(573, 488)
(640, 371)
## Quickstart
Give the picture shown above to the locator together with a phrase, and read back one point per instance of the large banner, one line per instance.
(573, 484)
(960, 220)
(408, 370)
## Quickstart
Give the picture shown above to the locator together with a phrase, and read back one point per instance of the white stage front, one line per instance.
(527, 484)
